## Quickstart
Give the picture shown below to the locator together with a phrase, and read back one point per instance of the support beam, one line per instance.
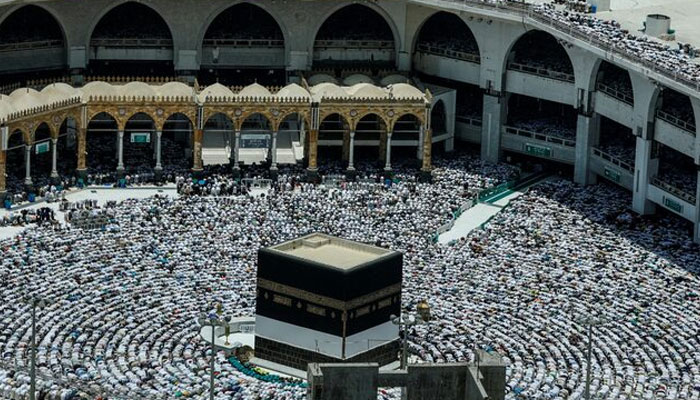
(493, 117)
(351, 152)
(120, 152)
(197, 151)
(313, 151)
(696, 231)
(419, 150)
(646, 166)
(587, 137)
(81, 169)
(158, 167)
(273, 152)
(236, 150)
(54, 158)
(27, 164)
(3, 171)
(427, 155)
(387, 166)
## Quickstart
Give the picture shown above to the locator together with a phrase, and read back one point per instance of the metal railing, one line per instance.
(445, 52)
(615, 161)
(547, 73)
(244, 42)
(131, 42)
(38, 44)
(673, 190)
(367, 44)
(469, 120)
(624, 97)
(539, 136)
(675, 121)
(524, 11)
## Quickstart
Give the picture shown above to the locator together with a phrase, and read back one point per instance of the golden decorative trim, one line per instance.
(328, 301)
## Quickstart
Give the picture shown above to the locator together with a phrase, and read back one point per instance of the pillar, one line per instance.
(54, 158)
(313, 150)
(493, 116)
(419, 148)
(427, 150)
(3, 170)
(646, 166)
(346, 146)
(159, 167)
(120, 152)
(273, 152)
(28, 164)
(382, 147)
(351, 152)
(236, 149)
(696, 231)
(387, 166)
(81, 169)
(587, 137)
(197, 150)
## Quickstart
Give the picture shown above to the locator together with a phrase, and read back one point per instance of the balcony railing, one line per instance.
(244, 42)
(613, 160)
(547, 73)
(445, 52)
(673, 190)
(39, 44)
(675, 121)
(365, 44)
(131, 42)
(626, 98)
(539, 136)
(469, 120)
(523, 11)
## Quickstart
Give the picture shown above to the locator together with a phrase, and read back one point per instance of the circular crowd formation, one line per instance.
(124, 301)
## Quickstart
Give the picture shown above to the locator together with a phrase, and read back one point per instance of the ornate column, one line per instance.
(28, 164)
(419, 149)
(387, 166)
(197, 150)
(313, 150)
(237, 149)
(351, 152)
(427, 151)
(81, 169)
(159, 167)
(54, 157)
(273, 151)
(3, 170)
(346, 146)
(120, 152)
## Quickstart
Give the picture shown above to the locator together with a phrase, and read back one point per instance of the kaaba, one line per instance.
(325, 299)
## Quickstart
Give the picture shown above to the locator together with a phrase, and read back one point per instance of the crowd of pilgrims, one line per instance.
(123, 302)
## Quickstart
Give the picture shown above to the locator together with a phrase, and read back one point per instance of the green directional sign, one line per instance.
(140, 138)
(41, 148)
(538, 151)
(673, 205)
(612, 175)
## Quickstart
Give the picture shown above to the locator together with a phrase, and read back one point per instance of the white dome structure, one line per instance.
(174, 89)
(138, 90)
(215, 90)
(393, 79)
(6, 107)
(354, 79)
(367, 91)
(26, 98)
(254, 90)
(328, 91)
(99, 88)
(404, 91)
(321, 78)
(293, 91)
(58, 92)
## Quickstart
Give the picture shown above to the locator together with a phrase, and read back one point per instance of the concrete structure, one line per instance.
(495, 28)
(450, 381)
